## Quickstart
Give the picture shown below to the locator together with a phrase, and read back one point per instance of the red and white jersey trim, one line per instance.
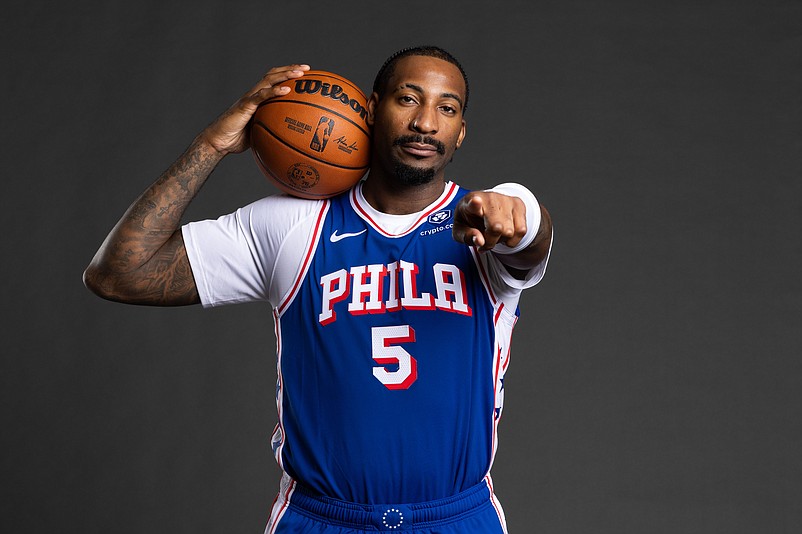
(280, 503)
(307, 257)
(496, 504)
(398, 225)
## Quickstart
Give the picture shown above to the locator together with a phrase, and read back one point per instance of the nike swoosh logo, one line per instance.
(337, 237)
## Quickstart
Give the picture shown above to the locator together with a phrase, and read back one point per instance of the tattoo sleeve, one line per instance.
(143, 259)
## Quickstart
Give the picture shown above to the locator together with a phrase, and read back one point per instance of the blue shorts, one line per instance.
(298, 511)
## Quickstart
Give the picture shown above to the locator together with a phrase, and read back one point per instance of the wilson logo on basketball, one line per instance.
(333, 91)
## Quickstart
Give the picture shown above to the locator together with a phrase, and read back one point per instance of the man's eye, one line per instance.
(407, 99)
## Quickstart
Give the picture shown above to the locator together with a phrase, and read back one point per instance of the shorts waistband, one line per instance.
(390, 517)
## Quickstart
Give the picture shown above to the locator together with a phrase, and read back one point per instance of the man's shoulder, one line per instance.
(285, 202)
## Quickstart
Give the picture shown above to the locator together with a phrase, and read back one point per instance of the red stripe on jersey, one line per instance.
(279, 394)
(489, 482)
(284, 505)
(498, 313)
(307, 255)
(509, 346)
(497, 367)
(452, 189)
(485, 278)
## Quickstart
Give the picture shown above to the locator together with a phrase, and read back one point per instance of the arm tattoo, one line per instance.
(144, 260)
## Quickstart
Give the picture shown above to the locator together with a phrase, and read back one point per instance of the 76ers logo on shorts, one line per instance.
(321, 137)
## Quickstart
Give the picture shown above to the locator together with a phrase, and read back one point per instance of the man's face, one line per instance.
(418, 124)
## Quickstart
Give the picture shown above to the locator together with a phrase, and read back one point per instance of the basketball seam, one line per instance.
(279, 101)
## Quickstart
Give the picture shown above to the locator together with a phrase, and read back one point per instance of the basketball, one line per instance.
(313, 142)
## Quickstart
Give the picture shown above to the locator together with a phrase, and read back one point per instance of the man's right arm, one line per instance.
(143, 259)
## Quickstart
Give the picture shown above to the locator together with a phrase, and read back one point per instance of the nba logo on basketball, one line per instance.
(322, 133)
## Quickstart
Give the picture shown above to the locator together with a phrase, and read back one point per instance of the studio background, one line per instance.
(655, 383)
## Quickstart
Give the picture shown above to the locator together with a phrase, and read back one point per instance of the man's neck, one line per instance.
(397, 199)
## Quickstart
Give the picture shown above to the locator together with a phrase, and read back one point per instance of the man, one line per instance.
(393, 333)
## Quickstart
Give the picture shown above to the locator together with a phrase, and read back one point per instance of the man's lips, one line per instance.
(419, 146)
(419, 149)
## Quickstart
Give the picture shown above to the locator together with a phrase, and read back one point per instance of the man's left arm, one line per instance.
(509, 221)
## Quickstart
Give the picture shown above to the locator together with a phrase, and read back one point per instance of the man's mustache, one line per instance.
(404, 139)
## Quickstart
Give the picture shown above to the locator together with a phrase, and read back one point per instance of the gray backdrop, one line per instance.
(655, 381)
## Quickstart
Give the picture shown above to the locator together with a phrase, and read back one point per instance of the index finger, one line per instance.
(469, 222)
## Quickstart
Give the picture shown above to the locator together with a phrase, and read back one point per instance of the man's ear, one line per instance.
(461, 134)
(373, 101)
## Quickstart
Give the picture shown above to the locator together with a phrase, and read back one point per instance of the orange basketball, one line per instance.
(313, 142)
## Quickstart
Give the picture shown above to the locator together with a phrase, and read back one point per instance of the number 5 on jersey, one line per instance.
(385, 340)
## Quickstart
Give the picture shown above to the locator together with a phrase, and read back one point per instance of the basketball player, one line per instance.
(394, 305)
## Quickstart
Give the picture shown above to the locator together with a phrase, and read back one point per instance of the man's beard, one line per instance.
(409, 175)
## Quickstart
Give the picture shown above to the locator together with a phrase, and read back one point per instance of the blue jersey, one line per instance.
(391, 354)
